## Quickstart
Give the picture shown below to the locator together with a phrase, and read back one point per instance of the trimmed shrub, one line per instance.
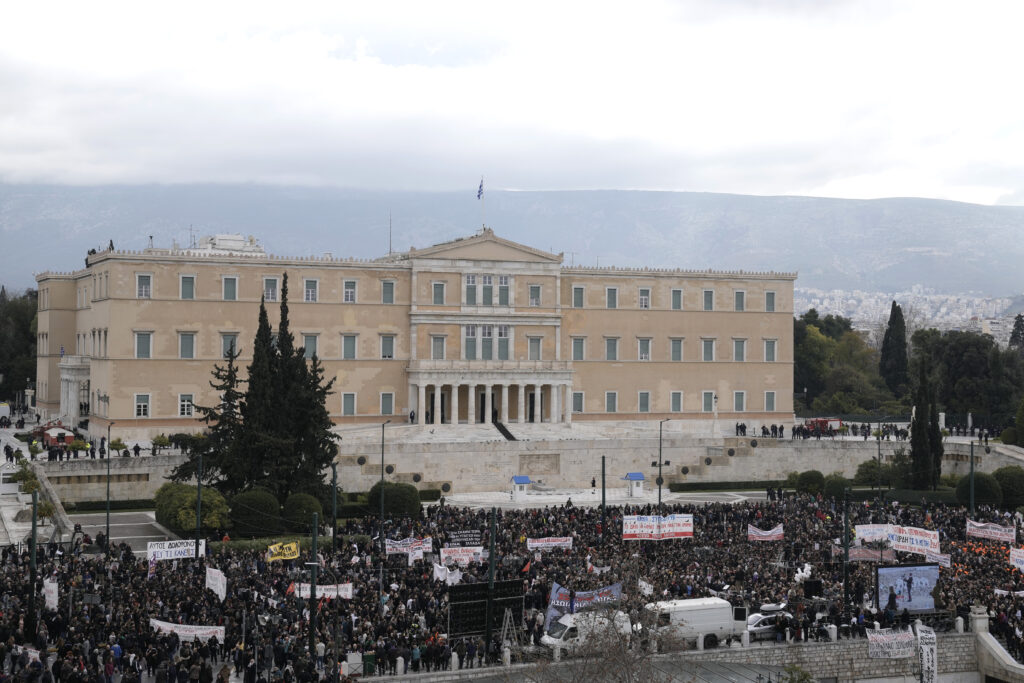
(835, 485)
(811, 481)
(176, 508)
(1011, 482)
(90, 505)
(791, 480)
(255, 513)
(1009, 436)
(429, 495)
(399, 499)
(949, 480)
(869, 473)
(986, 490)
(299, 509)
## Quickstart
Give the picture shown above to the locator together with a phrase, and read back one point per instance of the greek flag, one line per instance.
(480, 192)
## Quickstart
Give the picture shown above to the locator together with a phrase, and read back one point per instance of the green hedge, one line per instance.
(93, 505)
(811, 481)
(299, 509)
(688, 486)
(355, 510)
(986, 490)
(429, 495)
(399, 499)
(911, 497)
(305, 542)
(255, 513)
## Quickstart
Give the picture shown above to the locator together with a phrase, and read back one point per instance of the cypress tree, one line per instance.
(935, 441)
(893, 361)
(920, 445)
(1017, 335)
(259, 413)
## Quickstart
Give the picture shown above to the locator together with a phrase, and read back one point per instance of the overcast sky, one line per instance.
(847, 99)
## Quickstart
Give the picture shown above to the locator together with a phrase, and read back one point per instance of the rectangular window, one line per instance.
(739, 399)
(677, 350)
(470, 342)
(437, 348)
(577, 401)
(677, 402)
(387, 404)
(534, 348)
(611, 349)
(645, 298)
(387, 346)
(769, 350)
(349, 292)
(577, 348)
(486, 342)
(348, 404)
(143, 344)
(308, 346)
(311, 288)
(611, 296)
(644, 349)
(439, 294)
(487, 281)
(611, 401)
(228, 344)
(503, 290)
(185, 405)
(739, 350)
(644, 402)
(188, 286)
(769, 401)
(348, 347)
(471, 290)
(535, 295)
(187, 345)
(769, 302)
(141, 405)
(709, 299)
(503, 342)
(387, 293)
(708, 401)
(707, 349)
(143, 286)
(577, 298)
(677, 299)
(230, 288)
(270, 289)
(741, 300)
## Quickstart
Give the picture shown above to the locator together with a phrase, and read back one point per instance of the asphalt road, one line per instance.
(134, 528)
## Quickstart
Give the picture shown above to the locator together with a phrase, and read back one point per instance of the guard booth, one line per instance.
(519, 484)
(635, 482)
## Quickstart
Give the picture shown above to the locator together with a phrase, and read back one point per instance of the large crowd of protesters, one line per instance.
(266, 624)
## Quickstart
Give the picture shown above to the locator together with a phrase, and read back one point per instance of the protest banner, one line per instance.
(341, 590)
(217, 582)
(50, 592)
(1005, 534)
(408, 545)
(283, 551)
(564, 601)
(656, 528)
(174, 550)
(1017, 558)
(188, 632)
(862, 554)
(464, 538)
(943, 560)
(462, 556)
(929, 662)
(773, 534)
(911, 539)
(449, 576)
(866, 533)
(549, 542)
(890, 644)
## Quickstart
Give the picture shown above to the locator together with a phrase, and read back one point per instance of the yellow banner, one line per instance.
(283, 551)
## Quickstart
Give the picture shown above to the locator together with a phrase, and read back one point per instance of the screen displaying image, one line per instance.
(907, 586)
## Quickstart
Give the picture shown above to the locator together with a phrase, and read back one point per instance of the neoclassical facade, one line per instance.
(476, 330)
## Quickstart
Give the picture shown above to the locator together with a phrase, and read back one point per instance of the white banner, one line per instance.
(656, 528)
(408, 545)
(174, 550)
(911, 539)
(1006, 534)
(1017, 558)
(773, 534)
(449, 576)
(929, 661)
(50, 592)
(341, 590)
(188, 632)
(217, 582)
(890, 644)
(462, 556)
(549, 542)
(871, 532)
(942, 559)
(645, 588)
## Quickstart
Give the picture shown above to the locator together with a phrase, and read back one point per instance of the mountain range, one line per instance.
(883, 245)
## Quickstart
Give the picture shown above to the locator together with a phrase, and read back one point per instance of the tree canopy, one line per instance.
(893, 364)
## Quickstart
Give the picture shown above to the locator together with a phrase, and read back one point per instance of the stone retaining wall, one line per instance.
(130, 478)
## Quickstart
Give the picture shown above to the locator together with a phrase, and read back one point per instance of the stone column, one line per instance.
(556, 403)
(521, 403)
(538, 416)
(488, 407)
(568, 403)
(421, 404)
(504, 403)
(455, 403)
(471, 405)
(437, 405)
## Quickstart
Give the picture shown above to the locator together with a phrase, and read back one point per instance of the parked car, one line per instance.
(761, 626)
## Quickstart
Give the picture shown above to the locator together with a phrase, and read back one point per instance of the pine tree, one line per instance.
(893, 361)
(920, 444)
(1017, 335)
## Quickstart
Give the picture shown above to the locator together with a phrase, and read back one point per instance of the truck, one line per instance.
(710, 620)
(573, 631)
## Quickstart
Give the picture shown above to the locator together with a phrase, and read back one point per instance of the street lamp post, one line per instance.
(334, 578)
(334, 507)
(383, 553)
(109, 425)
(660, 462)
(199, 503)
(987, 450)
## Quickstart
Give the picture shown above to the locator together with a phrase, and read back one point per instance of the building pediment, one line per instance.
(485, 246)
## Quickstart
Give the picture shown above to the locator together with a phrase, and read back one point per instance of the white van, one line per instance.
(572, 631)
(710, 619)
